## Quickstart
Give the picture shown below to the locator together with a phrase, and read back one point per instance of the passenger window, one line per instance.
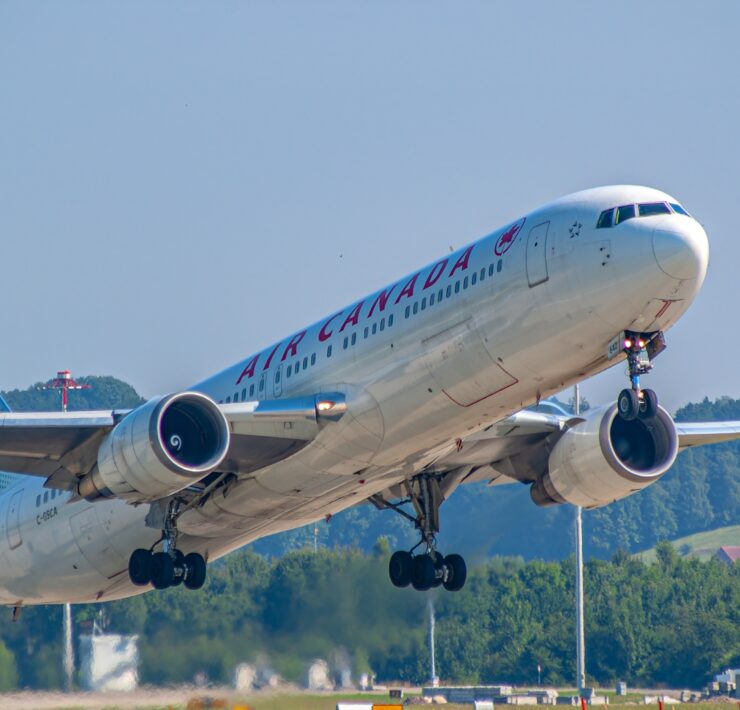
(346, 343)
(313, 358)
(297, 367)
(500, 265)
(416, 307)
(289, 371)
(408, 311)
(457, 287)
(354, 338)
(305, 362)
(244, 394)
(423, 304)
(431, 300)
(490, 270)
(228, 401)
(390, 320)
(624, 213)
(53, 493)
(382, 323)
(262, 383)
(277, 375)
(605, 220)
(648, 209)
(367, 332)
(483, 273)
(449, 291)
(473, 279)
(46, 496)
(440, 295)
(465, 282)
(328, 351)
(38, 500)
(251, 390)
(375, 327)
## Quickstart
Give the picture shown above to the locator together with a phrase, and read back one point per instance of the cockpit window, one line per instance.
(625, 212)
(616, 215)
(651, 208)
(605, 219)
(680, 210)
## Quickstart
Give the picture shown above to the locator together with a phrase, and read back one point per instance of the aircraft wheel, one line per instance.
(399, 568)
(163, 570)
(195, 566)
(422, 573)
(457, 573)
(439, 568)
(140, 567)
(180, 569)
(628, 404)
(648, 404)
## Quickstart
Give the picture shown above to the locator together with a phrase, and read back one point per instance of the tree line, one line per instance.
(673, 623)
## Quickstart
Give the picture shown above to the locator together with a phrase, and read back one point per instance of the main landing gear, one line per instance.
(636, 402)
(170, 567)
(428, 569)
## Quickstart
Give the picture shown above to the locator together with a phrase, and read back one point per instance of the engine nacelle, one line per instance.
(605, 458)
(158, 449)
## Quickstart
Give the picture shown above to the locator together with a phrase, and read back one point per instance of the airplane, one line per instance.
(394, 400)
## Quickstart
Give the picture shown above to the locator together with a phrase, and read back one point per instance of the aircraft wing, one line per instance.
(62, 447)
(516, 448)
(701, 433)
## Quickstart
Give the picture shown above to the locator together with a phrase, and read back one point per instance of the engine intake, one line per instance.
(159, 448)
(605, 458)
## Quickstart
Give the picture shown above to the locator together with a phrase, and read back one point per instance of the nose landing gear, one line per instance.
(429, 569)
(636, 402)
(170, 567)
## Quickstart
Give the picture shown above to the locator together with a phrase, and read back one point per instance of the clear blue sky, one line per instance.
(182, 183)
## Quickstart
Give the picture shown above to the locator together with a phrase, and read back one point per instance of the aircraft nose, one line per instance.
(681, 249)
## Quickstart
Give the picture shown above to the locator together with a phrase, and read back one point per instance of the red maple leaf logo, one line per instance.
(507, 238)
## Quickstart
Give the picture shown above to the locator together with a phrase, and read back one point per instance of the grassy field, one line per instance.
(702, 545)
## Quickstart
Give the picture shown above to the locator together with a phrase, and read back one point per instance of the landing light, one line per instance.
(627, 343)
(324, 405)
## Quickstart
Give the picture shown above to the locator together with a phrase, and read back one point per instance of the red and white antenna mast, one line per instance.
(64, 382)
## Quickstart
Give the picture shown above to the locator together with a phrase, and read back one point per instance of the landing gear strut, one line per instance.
(170, 567)
(429, 568)
(636, 402)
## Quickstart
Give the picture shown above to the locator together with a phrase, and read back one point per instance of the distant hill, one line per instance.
(702, 545)
(701, 493)
(105, 393)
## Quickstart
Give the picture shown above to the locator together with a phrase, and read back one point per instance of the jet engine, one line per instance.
(159, 448)
(605, 458)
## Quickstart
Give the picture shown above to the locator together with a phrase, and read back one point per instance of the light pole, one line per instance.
(580, 637)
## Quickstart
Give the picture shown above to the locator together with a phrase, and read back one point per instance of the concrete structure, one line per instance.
(497, 694)
(318, 676)
(109, 662)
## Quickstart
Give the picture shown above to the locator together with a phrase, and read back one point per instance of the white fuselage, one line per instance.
(437, 355)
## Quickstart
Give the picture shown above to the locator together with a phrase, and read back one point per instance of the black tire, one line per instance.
(180, 569)
(399, 568)
(457, 573)
(140, 567)
(195, 576)
(422, 573)
(439, 568)
(628, 404)
(648, 405)
(163, 570)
